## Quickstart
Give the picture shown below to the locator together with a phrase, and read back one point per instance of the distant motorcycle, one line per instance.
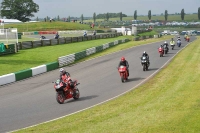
(165, 49)
(42, 37)
(56, 36)
(64, 92)
(123, 73)
(178, 43)
(188, 39)
(161, 51)
(145, 63)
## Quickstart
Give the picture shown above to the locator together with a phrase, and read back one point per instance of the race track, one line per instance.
(32, 101)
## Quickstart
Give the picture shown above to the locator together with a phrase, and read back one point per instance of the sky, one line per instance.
(74, 8)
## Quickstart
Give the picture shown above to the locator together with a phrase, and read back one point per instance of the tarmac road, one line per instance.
(32, 101)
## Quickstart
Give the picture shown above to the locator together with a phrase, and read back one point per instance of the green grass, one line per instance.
(167, 103)
(148, 33)
(25, 59)
(37, 56)
(47, 26)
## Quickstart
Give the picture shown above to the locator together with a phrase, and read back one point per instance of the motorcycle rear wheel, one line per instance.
(60, 97)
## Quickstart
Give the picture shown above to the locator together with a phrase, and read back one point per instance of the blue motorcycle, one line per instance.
(178, 43)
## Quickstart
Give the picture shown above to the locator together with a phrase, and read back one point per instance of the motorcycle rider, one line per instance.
(56, 36)
(166, 44)
(147, 56)
(85, 34)
(172, 42)
(185, 36)
(65, 77)
(179, 38)
(42, 37)
(124, 62)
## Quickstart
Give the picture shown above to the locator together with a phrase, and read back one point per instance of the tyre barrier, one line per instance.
(68, 59)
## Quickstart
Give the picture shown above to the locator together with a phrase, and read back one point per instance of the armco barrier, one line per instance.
(23, 74)
(146, 37)
(63, 40)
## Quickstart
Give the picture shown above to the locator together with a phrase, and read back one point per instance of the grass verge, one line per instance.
(41, 55)
(167, 103)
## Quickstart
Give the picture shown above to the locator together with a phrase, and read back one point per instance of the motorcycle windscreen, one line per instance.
(122, 69)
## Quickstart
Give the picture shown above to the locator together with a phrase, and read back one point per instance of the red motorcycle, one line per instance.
(187, 39)
(161, 51)
(123, 73)
(66, 91)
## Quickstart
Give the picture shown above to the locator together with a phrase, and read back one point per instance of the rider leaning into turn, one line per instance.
(124, 62)
(65, 78)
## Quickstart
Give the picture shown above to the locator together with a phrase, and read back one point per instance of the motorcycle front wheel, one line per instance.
(60, 97)
(77, 94)
(144, 67)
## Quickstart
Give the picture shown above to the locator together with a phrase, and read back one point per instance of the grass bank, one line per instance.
(47, 26)
(167, 103)
(25, 59)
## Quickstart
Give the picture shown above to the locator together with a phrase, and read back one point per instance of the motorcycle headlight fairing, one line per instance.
(58, 86)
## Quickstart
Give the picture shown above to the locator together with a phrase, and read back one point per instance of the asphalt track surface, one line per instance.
(32, 101)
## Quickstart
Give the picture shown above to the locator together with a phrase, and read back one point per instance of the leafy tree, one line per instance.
(166, 15)
(94, 17)
(82, 18)
(58, 18)
(19, 9)
(149, 14)
(110, 15)
(182, 14)
(199, 13)
(135, 15)
(120, 16)
(69, 19)
(37, 19)
(107, 16)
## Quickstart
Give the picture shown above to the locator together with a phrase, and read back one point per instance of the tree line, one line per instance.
(23, 10)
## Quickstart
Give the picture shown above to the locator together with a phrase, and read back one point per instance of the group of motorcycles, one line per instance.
(70, 90)
(164, 50)
(145, 61)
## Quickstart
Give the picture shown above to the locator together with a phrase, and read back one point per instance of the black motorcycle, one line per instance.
(145, 63)
(166, 49)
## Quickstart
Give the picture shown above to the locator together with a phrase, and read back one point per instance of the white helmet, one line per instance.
(165, 42)
(61, 70)
(144, 52)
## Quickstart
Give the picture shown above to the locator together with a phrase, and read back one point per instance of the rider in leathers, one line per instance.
(166, 44)
(147, 56)
(65, 78)
(124, 62)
